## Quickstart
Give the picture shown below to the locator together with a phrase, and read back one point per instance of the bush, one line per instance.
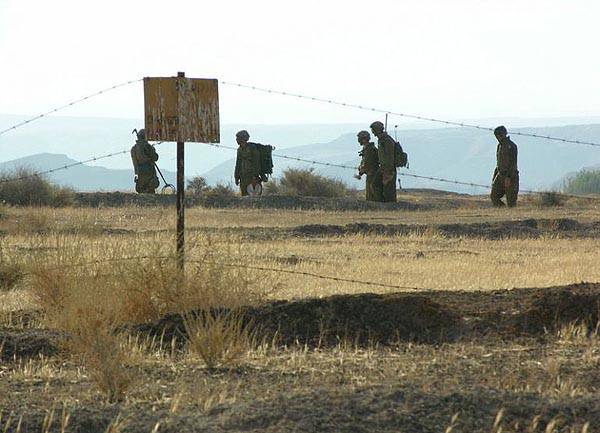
(304, 182)
(197, 186)
(220, 190)
(583, 182)
(550, 199)
(220, 339)
(21, 187)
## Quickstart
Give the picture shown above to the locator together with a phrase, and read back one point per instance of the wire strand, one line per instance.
(404, 115)
(62, 107)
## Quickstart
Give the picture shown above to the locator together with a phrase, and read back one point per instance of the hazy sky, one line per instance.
(454, 59)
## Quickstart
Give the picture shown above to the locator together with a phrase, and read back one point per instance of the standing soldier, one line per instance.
(143, 156)
(369, 165)
(247, 163)
(506, 174)
(386, 150)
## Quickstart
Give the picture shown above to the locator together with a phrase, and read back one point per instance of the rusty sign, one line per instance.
(181, 109)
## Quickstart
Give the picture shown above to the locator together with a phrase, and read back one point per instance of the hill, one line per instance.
(81, 177)
(454, 153)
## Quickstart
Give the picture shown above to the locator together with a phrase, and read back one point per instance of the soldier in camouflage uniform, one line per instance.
(143, 156)
(386, 150)
(247, 163)
(369, 165)
(506, 174)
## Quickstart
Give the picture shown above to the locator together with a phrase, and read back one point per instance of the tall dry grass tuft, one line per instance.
(219, 338)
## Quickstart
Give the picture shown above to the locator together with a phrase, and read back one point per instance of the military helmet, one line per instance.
(242, 135)
(500, 130)
(363, 134)
(377, 126)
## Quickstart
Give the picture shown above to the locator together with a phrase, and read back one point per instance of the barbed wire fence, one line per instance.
(67, 105)
(403, 115)
(86, 264)
(282, 156)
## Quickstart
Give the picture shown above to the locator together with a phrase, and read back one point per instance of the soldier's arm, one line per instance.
(236, 173)
(389, 154)
(513, 158)
(153, 153)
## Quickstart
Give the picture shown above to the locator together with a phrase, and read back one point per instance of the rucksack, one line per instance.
(266, 160)
(400, 156)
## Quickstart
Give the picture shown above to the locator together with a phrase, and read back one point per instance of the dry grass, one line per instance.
(219, 338)
(74, 273)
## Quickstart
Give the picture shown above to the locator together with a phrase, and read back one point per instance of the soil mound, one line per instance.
(524, 229)
(551, 310)
(360, 319)
(28, 343)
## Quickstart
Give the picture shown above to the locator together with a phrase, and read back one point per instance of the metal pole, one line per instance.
(180, 201)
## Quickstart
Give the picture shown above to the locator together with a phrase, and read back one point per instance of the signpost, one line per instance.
(181, 109)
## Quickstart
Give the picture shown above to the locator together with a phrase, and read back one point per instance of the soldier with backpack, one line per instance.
(247, 163)
(144, 157)
(253, 165)
(391, 156)
(369, 165)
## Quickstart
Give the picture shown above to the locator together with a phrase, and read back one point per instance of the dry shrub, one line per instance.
(219, 338)
(550, 199)
(103, 357)
(11, 274)
(22, 187)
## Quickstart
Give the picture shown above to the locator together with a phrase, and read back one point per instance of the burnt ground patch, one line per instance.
(528, 228)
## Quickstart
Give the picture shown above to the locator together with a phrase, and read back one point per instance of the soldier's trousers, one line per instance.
(372, 189)
(244, 182)
(500, 190)
(386, 191)
(146, 184)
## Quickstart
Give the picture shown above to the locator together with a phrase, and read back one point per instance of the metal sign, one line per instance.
(181, 109)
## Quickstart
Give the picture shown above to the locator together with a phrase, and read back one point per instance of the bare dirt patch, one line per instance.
(523, 229)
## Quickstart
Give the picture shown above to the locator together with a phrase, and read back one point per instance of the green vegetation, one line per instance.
(583, 182)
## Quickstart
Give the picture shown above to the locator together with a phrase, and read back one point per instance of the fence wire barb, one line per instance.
(67, 166)
(404, 174)
(404, 115)
(235, 265)
(62, 107)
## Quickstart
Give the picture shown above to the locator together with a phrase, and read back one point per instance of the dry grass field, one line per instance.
(453, 317)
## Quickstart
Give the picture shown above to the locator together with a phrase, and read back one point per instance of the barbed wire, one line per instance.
(236, 265)
(404, 115)
(62, 107)
(404, 174)
(67, 166)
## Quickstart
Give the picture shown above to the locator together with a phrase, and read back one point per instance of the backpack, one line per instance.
(266, 160)
(400, 156)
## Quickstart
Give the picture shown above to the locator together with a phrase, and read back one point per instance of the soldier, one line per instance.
(247, 163)
(506, 174)
(144, 156)
(369, 165)
(386, 150)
